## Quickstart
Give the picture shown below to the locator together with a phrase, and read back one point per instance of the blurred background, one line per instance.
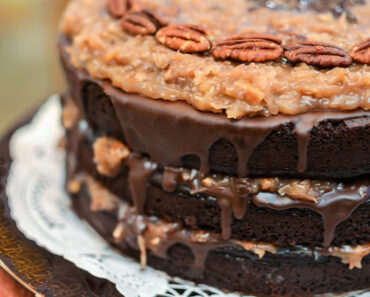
(29, 66)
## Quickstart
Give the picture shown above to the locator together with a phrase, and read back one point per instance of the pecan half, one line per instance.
(360, 52)
(317, 54)
(143, 22)
(185, 38)
(118, 8)
(249, 48)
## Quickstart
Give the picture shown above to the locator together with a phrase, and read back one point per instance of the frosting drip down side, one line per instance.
(158, 236)
(175, 131)
(173, 134)
(334, 201)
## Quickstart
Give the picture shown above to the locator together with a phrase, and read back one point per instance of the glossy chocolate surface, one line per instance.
(317, 144)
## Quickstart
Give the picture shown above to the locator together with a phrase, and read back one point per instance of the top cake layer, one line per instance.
(241, 77)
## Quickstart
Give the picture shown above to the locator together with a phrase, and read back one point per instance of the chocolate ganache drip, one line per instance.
(335, 202)
(168, 134)
(231, 193)
(139, 174)
(170, 131)
(159, 236)
(334, 206)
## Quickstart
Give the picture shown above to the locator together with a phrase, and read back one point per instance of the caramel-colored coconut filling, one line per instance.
(139, 64)
(110, 154)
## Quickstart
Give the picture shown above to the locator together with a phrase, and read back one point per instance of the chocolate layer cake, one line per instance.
(225, 143)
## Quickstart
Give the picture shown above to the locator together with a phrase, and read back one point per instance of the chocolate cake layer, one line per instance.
(280, 274)
(201, 211)
(314, 145)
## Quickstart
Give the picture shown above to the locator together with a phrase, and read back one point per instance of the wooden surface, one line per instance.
(10, 288)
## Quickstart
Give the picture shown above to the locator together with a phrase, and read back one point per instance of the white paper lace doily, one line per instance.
(41, 209)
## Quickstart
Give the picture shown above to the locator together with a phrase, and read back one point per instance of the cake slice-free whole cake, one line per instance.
(225, 142)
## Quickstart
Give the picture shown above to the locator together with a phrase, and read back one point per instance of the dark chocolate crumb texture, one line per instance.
(271, 198)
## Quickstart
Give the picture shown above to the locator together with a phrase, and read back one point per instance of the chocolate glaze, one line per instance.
(304, 125)
(169, 131)
(167, 235)
(171, 178)
(200, 250)
(193, 133)
(159, 236)
(172, 130)
(334, 207)
(232, 198)
(140, 171)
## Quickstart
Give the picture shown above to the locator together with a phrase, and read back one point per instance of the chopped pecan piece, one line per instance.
(249, 48)
(259, 249)
(101, 198)
(318, 54)
(108, 155)
(360, 52)
(185, 38)
(144, 22)
(118, 8)
(269, 184)
(300, 190)
(351, 255)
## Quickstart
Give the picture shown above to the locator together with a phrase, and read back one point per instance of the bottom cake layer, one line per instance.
(259, 269)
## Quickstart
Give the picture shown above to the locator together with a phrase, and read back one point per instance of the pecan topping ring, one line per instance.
(249, 48)
(360, 52)
(185, 38)
(144, 22)
(318, 54)
(118, 8)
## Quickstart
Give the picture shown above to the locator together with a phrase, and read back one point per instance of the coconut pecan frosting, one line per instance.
(223, 56)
